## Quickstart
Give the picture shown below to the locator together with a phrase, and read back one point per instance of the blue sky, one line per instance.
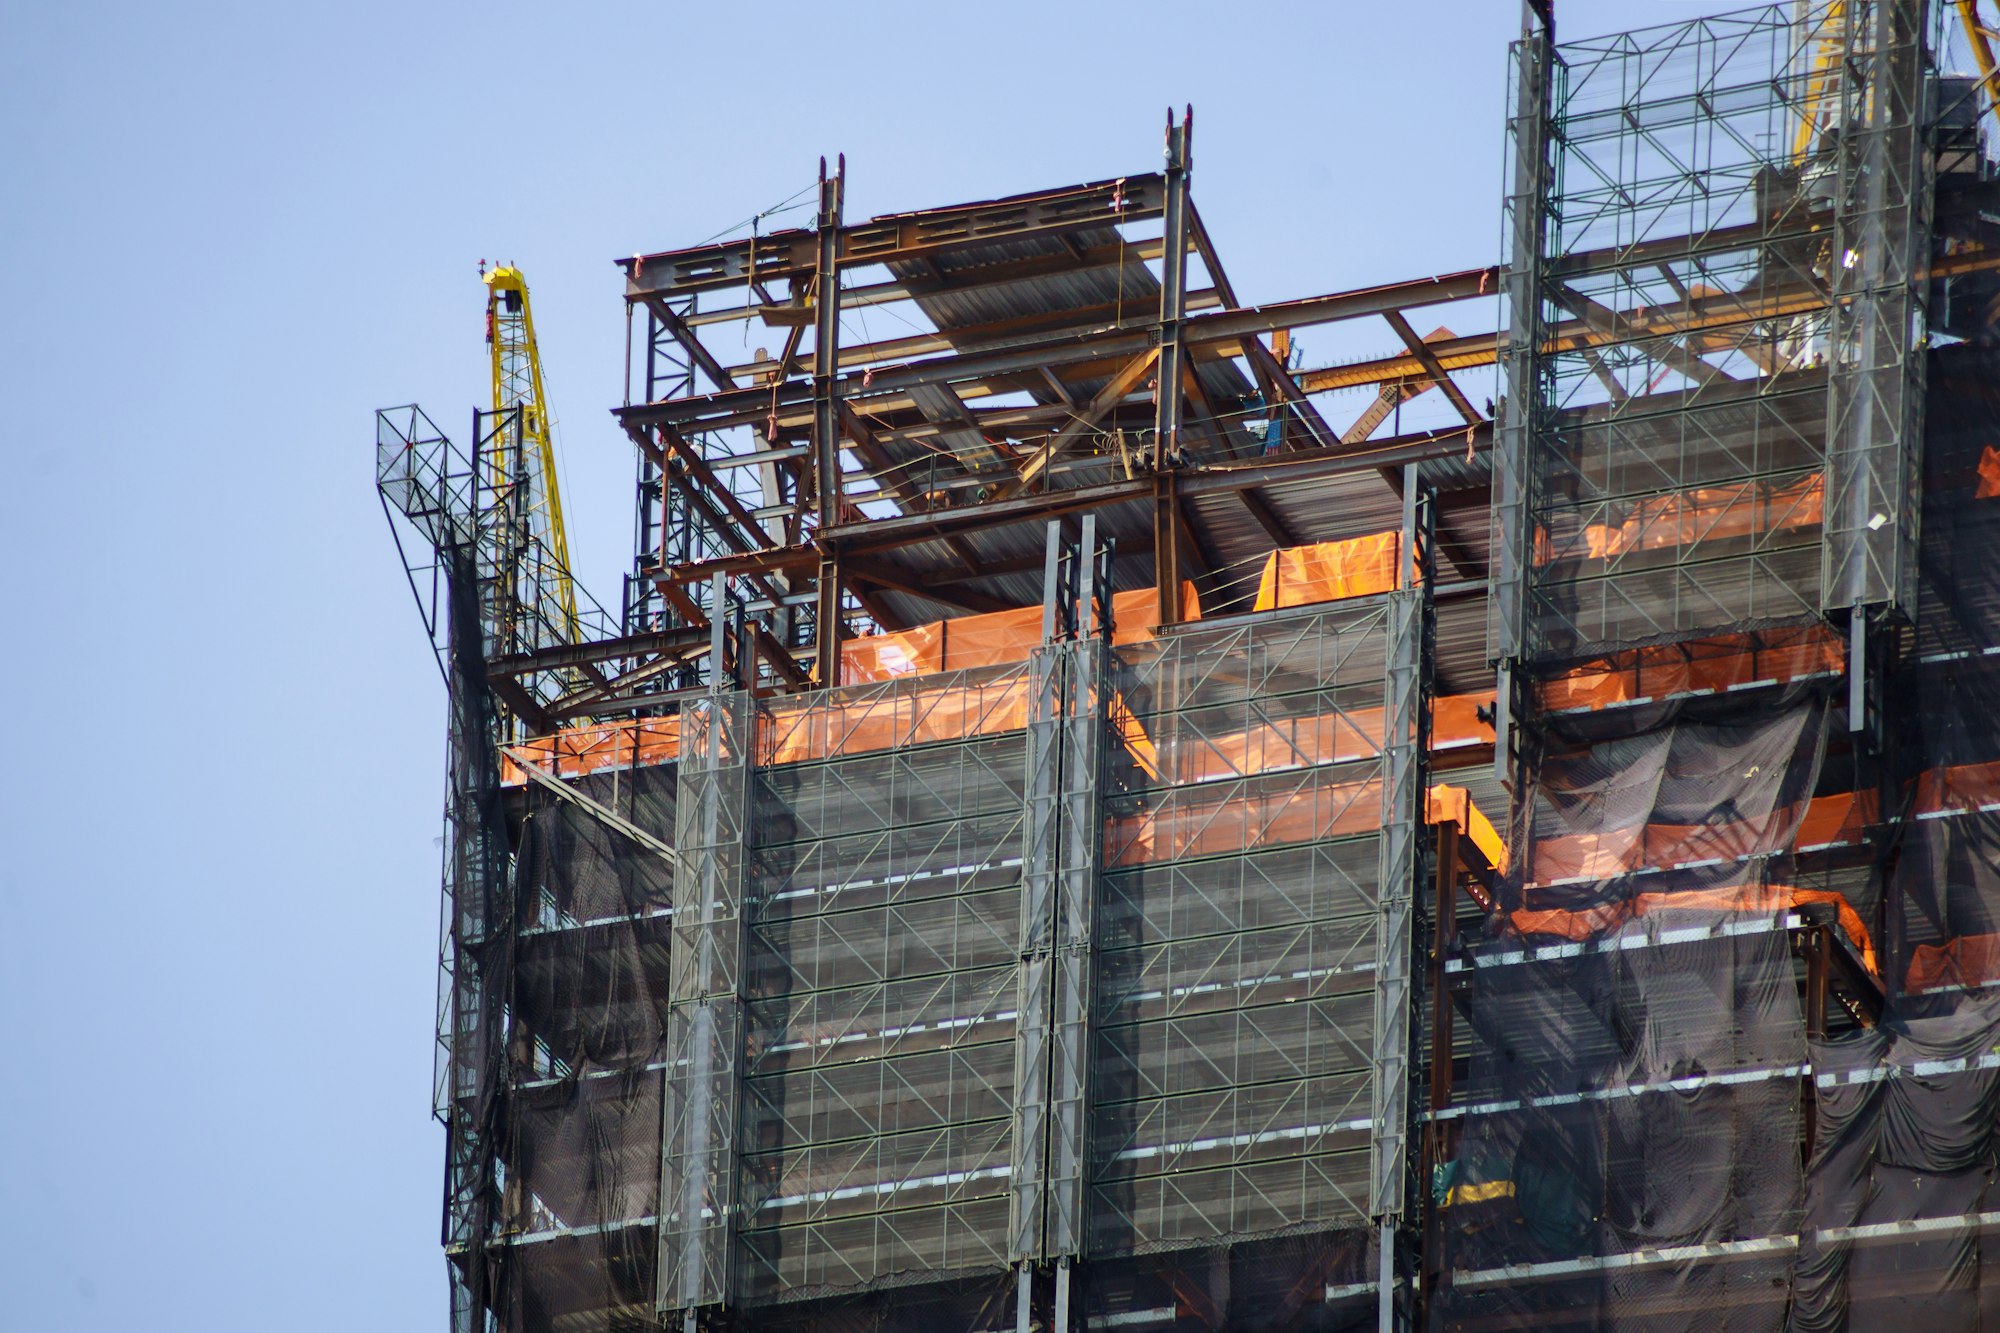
(227, 234)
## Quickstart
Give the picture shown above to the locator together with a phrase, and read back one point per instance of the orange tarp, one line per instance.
(1703, 665)
(1454, 805)
(574, 751)
(1961, 787)
(1839, 818)
(823, 729)
(1455, 721)
(1989, 474)
(1616, 851)
(1308, 813)
(1329, 571)
(1968, 960)
(997, 638)
(1325, 738)
(1592, 922)
(791, 736)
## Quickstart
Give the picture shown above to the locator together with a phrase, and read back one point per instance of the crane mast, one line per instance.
(517, 383)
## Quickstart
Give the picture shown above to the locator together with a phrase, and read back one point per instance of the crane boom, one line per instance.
(517, 382)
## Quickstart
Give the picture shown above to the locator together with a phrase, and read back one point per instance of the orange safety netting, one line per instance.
(1618, 851)
(1835, 820)
(997, 638)
(1329, 571)
(1704, 665)
(1967, 960)
(1709, 513)
(1751, 899)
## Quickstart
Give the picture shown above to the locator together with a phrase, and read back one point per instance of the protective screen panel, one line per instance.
(1237, 932)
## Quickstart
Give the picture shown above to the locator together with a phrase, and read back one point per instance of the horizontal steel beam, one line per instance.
(893, 238)
(1076, 347)
(604, 650)
(878, 535)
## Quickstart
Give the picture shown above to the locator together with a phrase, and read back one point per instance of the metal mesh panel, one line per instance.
(1882, 185)
(881, 979)
(1670, 429)
(1237, 932)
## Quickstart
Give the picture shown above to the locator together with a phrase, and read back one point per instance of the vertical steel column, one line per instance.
(1082, 837)
(1521, 392)
(1061, 849)
(1401, 863)
(826, 424)
(1877, 334)
(669, 374)
(1039, 850)
(479, 899)
(1169, 369)
(698, 1173)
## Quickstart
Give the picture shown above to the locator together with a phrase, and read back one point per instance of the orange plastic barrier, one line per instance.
(997, 638)
(1329, 571)
(1754, 899)
(1709, 513)
(1968, 960)
(1702, 665)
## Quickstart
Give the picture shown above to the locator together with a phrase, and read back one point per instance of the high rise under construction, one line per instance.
(1081, 819)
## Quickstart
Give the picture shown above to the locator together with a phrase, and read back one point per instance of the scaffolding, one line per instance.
(1062, 836)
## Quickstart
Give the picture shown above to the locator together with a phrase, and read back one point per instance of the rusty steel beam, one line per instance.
(878, 535)
(1434, 368)
(1220, 330)
(915, 584)
(719, 374)
(986, 279)
(602, 650)
(970, 336)
(1113, 393)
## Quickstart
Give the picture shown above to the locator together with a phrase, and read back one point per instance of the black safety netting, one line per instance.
(1902, 1215)
(1945, 714)
(579, 1143)
(1309, 1282)
(1630, 1141)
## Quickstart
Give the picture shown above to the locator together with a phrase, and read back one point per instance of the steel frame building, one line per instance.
(963, 888)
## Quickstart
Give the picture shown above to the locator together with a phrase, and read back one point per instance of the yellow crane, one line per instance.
(517, 382)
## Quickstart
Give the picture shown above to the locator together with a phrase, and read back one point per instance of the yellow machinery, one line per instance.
(517, 382)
